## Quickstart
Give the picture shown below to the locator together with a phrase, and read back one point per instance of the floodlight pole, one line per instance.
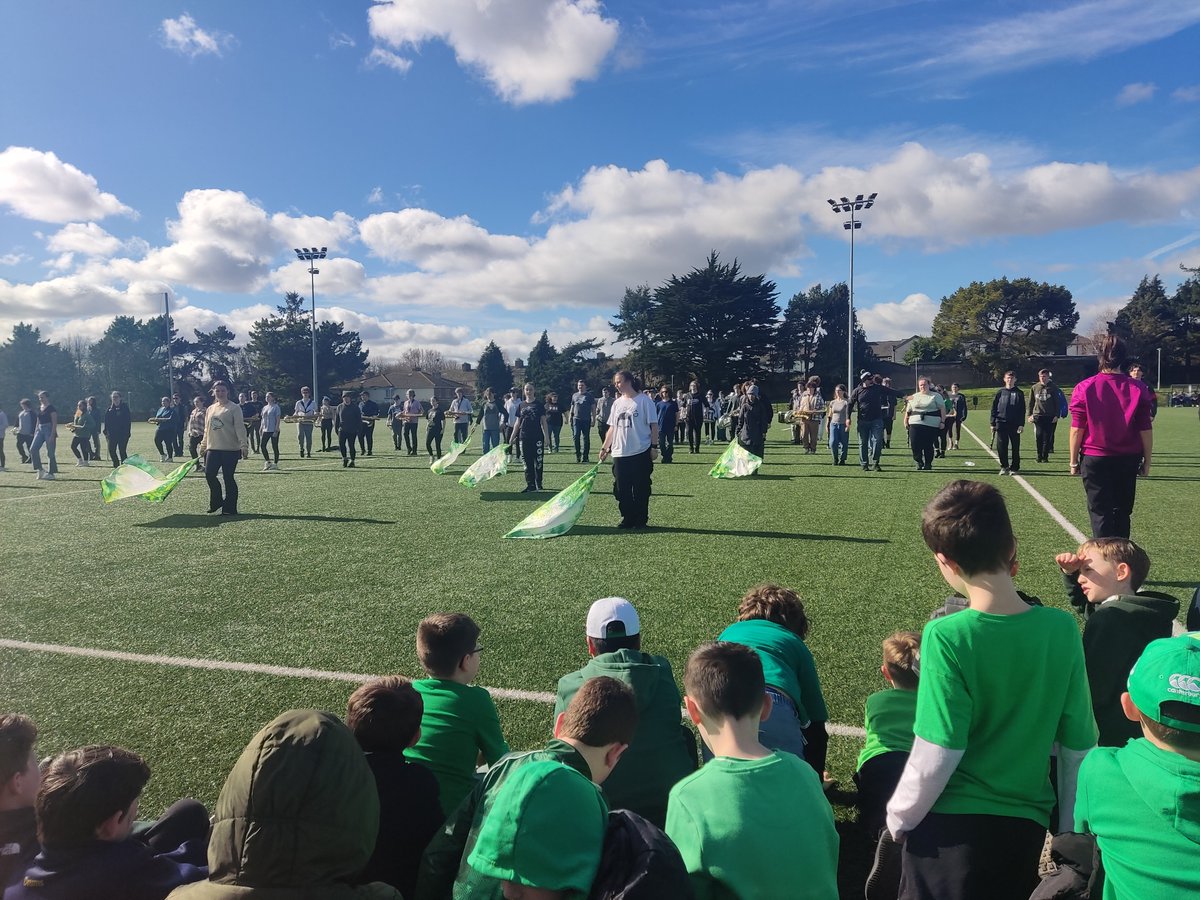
(310, 256)
(170, 358)
(1159, 388)
(852, 207)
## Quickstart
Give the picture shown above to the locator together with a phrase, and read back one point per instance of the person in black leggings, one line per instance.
(434, 431)
(347, 422)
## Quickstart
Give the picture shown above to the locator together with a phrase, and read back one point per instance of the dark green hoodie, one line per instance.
(659, 754)
(296, 819)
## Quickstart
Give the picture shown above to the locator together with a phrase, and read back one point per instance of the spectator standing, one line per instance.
(512, 408)
(1008, 421)
(712, 412)
(1045, 401)
(1136, 371)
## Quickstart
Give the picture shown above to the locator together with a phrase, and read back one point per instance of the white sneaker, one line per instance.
(84, 464)
(49, 476)
(266, 467)
(162, 457)
(274, 467)
(2, 469)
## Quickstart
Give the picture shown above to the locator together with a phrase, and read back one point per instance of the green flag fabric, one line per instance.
(735, 462)
(491, 464)
(439, 466)
(559, 514)
(137, 478)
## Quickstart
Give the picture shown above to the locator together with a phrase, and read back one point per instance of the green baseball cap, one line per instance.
(1165, 682)
(545, 829)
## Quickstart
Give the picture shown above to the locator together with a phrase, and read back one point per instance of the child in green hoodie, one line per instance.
(1142, 801)
(1104, 578)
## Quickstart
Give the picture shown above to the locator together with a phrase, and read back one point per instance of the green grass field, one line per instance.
(332, 569)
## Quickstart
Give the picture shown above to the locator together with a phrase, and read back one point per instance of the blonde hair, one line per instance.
(902, 659)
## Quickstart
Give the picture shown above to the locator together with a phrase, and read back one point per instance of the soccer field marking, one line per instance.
(1045, 504)
(221, 665)
(40, 494)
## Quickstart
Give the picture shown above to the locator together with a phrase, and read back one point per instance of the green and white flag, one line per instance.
(137, 478)
(559, 514)
(735, 462)
(439, 467)
(491, 464)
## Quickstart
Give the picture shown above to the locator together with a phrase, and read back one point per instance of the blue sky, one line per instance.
(486, 170)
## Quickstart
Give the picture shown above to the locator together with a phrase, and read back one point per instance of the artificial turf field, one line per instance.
(331, 569)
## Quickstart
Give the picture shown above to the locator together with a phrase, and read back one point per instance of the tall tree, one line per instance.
(996, 323)
(715, 323)
(29, 364)
(634, 327)
(539, 367)
(1152, 320)
(280, 349)
(492, 372)
(131, 356)
(213, 354)
(576, 360)
(425, 359)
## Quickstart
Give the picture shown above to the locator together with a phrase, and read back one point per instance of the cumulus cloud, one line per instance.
(1137, 92)
(38, 185)
(87, 238)
(389, 60)
(900, 319)
(435, 243)
(529, 51)
(184, 36)
(337, 277)
(1187, 94)
(13, 259)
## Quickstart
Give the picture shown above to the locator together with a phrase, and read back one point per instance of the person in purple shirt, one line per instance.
(1111, 439)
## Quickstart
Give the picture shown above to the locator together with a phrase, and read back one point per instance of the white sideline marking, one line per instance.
(39, 494)
(1045, 504)
(220, 665)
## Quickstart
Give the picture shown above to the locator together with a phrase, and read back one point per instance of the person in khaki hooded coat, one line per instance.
(296, 819)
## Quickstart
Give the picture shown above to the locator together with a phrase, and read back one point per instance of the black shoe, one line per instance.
(540, 488)
(351, 466)
(624, 524)
(528, 490)
(229, 512)
(585, 459)
(878, 467)
(345, 463)
(213, 509)
(884, 878)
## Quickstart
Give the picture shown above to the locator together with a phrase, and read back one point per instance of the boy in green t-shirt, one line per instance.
(751, 823)
(460, 725)
(1003, 687)
(1142, 801)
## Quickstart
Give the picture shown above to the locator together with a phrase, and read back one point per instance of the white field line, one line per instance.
(1078, 536)
(38, 494)
(220, 665)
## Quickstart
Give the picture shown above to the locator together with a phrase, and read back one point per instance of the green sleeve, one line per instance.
(1081, 798)
(681, 829)
(944, 705)
(1077, 726)
(811, 697)
(489, 737)
(443, 857)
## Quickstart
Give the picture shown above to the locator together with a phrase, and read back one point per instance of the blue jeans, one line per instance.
(839, 441)
(43, 435)
(581, 434)
(491, 438)
(870, 441)
(782, 730)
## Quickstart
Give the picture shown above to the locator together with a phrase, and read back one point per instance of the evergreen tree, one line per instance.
(492, 372)
(29, 364)
(280, 348)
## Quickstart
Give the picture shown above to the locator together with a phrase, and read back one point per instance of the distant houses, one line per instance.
(427, 385)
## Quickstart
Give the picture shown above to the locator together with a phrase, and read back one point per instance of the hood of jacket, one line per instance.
(1145, 603)
(641, 671)
(299, 809)
(1169, 785)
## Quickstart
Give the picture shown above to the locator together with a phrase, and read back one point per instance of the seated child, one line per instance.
(889, 725)
(544, 835)
(751, 823)
(771, 621)
(1142, 800)
(460, 724)
(590, 736)
(385, 716)
(1002, 684)
(19, 781)
(86, 807)
(1103, 578)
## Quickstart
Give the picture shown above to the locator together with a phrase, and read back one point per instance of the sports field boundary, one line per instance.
(223, 665)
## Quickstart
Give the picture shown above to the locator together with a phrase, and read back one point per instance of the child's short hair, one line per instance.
(775, 604)
(968, 522)
(385, 714)
(443, 639)
(902, 659)
(18, 734)
(602, 712)
(1121, 550)
(725, 679)
(82, 788)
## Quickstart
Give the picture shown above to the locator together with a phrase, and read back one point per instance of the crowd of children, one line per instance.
(988, 725)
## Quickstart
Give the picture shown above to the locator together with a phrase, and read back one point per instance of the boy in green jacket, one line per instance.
(1142, 801)
(1104, 578)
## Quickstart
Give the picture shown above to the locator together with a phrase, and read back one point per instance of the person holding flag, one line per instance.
(531, 431)
(631, 441)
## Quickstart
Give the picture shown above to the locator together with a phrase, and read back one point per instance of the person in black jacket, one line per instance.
(118, 424)
(366, 426)
(19, 782)
(347, 422)
(754, 422)
(1008, 421)
(385, 716)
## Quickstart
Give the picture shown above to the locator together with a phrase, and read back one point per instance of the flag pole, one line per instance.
(170, 359)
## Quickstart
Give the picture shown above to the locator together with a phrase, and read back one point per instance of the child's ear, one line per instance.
(111, 827)
(613, 754)
(1123, 571)
(591, 645)
(768, 705)
(887, 676)
(558, 720)
(693, 709)
(1132, 713)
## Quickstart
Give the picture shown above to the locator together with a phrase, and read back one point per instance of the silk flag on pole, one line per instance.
(137, 478)
(559, 514)
(735, 462)
(491, 464)
(439, 466)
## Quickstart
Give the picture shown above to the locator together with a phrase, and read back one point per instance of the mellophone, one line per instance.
(302, 420)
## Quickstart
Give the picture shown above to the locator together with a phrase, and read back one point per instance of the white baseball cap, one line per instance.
(612, 617)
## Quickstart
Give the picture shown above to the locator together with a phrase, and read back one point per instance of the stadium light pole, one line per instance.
(310, 255)
(1159, 388)
(852, 225)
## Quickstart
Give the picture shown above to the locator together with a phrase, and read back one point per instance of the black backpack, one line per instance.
(639, 862)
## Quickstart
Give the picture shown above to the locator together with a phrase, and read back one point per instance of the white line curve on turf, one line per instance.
(221, 665)
(1067, 526)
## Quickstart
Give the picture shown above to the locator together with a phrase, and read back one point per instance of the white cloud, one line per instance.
(1137, 92)
(38, 185)
(86, 238)
(386, 58)
(337, 277)
(1187, 94)
(184, 36)
(13, 259)
(435, 243)
(340, 39)
(895, 320)
(375, 198)
(530, 51)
